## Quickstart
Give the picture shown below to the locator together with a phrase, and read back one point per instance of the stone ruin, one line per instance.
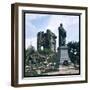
(46, 40)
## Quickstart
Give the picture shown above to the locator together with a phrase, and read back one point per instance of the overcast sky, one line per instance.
(41, 22)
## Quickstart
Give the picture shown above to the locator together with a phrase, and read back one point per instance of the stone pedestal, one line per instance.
(63, 55)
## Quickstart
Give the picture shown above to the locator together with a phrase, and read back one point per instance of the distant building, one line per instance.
(46, 41)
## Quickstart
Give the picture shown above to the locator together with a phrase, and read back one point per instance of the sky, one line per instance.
(41, 22)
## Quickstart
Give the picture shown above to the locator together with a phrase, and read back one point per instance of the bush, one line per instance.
(45, 51)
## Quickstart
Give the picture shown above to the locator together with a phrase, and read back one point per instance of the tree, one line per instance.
(74, 52)
(28, 52)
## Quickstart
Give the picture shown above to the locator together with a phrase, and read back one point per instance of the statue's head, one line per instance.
(61, 25)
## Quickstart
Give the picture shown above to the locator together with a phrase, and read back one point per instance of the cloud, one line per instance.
(52, 22)
(70, 24)
(30, 30)
(68, 21)
(30, 17)
(31, 41)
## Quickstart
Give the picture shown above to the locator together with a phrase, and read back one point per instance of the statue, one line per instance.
(63, 48)
(62, 35)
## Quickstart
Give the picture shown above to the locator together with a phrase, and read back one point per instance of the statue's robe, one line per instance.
(62, 36)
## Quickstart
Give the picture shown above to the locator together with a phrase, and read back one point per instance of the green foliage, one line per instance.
(39, 62)
(74, 52)
(45, 51)
(28, 52)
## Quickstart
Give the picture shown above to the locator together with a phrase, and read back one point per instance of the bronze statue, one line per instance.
(62, 35)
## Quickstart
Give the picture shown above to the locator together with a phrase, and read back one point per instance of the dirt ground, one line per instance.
(65, 70)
